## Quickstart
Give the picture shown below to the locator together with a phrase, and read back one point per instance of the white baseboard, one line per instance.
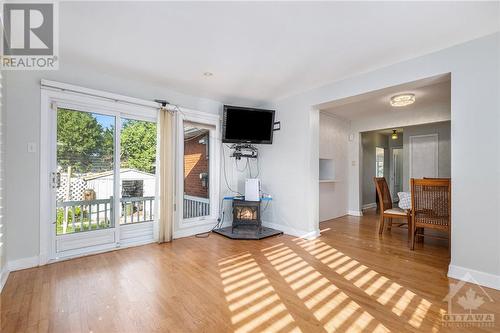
(333, 217)
(4, 275)
(287, 230)
(292, 231)
(355, 213)
(481, 278)
(23, 263)
(369, 206)
(139, 241)
(181, 233)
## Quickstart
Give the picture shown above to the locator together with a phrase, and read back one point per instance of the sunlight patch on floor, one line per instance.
(254, 304)
(335, 310)
(386, 292)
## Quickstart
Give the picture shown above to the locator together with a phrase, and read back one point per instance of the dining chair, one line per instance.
(431, 208)
(386, 209)
(443, 178)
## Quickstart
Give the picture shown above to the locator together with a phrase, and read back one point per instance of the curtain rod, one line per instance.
(102, 94)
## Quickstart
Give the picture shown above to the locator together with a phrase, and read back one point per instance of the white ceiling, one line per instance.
(428, 92)
(261, 51)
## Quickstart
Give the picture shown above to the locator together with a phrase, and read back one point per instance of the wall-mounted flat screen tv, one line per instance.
(247, 125)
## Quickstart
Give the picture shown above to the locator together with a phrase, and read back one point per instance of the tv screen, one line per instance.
(247, 125)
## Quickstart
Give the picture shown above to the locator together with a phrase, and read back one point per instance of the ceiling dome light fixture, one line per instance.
(208, 74)
(402, 100)
(394, 135)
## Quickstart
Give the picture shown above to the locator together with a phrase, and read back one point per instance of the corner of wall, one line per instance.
(4, 275)
(471, 275)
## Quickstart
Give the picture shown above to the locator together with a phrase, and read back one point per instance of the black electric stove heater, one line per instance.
(247, 223)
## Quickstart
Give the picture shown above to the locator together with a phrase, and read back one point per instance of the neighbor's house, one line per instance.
(134, 183)
(196, 164)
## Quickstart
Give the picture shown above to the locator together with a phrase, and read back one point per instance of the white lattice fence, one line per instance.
(78, 185)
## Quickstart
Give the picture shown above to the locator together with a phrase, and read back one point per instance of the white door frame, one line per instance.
(187, 227)
(411, 138)
(54, 94)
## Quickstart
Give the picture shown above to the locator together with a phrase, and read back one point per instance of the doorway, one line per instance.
(197, 182)
(101, 160)
(396, 172)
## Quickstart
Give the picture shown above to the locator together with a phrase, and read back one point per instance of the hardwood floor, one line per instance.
(348, 280)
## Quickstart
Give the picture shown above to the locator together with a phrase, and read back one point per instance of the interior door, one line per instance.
(424, 156)
(84, 182)
(396, 172)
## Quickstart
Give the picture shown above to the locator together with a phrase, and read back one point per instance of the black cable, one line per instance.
(248, 167)
(267, 204)
(237, 166)
(203, 234)
(219, 224)
(258, 167)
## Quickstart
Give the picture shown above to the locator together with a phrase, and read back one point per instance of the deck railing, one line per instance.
(137, 209)
(195, 206)
(87, 215)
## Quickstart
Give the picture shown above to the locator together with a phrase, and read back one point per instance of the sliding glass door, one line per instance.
(137, 180)
(103, 180)
(85, 171)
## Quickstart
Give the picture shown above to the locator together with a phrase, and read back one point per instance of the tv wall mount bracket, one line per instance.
(244, 150)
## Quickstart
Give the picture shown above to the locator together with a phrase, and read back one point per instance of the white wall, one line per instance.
(333, 133)
(22, 118)
(291, 166)
(3, 229)
(290, 169)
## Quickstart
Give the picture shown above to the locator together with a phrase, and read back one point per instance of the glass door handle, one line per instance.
(55, 179)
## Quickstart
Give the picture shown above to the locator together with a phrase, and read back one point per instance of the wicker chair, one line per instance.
(431, 207)
(444, 178)
(386, 209)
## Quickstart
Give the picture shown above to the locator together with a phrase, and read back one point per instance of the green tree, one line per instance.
(79, 140)
(108, 143)
(138, 145)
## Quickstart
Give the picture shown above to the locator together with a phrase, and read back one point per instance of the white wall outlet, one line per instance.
(353, 163)
(31, 147)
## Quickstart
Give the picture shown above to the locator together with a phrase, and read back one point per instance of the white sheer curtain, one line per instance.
(166, 188)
